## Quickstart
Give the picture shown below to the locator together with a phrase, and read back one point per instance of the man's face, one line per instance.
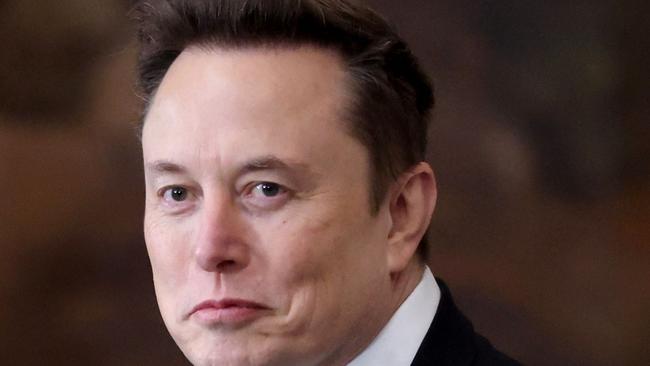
(258, 222)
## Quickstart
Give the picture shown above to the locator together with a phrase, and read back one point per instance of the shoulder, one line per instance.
(451, 340)
(487, 355)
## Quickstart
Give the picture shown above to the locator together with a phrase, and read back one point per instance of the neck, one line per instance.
(404, 282)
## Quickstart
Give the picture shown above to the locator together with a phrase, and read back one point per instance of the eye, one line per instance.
(175, 193)
(268, 189)
(266, 196)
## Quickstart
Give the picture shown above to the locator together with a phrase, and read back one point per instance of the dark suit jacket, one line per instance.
(451, 340)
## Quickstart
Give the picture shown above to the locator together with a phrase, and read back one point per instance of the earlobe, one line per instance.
(412, 201)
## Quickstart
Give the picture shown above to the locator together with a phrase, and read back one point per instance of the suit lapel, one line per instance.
(450, 339)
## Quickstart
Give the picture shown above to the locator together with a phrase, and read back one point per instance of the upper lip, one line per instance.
(227, 303)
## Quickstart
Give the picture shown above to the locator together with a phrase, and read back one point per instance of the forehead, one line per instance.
(280, 80)
(278, 100)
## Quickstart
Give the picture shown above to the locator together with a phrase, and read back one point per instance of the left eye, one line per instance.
(267, 196)
(267, 189)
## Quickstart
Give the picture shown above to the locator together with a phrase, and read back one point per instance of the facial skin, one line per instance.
(257, 194)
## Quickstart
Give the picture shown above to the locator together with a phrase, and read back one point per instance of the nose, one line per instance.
(221, 244)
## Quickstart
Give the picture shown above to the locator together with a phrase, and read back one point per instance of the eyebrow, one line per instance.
(165, 166)
(267, 162)
(271, 162)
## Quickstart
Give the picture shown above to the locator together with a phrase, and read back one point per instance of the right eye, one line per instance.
(175, 193)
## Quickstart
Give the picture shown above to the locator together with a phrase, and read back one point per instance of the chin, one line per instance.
(219, 358)
(219, 352)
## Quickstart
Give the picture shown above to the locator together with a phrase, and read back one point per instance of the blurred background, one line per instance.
(540, 144)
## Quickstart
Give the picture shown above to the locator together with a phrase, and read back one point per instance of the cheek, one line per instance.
(167, 252)
(304, 245)
(341, 247)
(307, 256)
(318, 264)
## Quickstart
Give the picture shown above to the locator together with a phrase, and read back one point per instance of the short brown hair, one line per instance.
(393, 97)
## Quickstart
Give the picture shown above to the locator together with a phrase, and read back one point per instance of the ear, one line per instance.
(412, 201)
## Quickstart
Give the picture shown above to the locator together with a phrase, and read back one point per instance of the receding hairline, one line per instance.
(350, 93)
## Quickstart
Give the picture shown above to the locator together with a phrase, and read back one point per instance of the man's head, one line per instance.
(390, 97)
(282, 143)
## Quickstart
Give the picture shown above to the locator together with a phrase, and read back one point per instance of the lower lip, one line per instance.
(227, 316)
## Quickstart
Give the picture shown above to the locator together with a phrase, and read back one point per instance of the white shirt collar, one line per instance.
(400, 339)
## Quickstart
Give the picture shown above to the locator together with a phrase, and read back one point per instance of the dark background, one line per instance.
(540, 144)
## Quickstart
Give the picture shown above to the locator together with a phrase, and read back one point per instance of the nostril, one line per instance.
(226, 265)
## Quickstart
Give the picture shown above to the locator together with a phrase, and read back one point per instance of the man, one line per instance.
(287, 193)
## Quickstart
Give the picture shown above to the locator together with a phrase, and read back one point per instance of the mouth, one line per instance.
(227, 312)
